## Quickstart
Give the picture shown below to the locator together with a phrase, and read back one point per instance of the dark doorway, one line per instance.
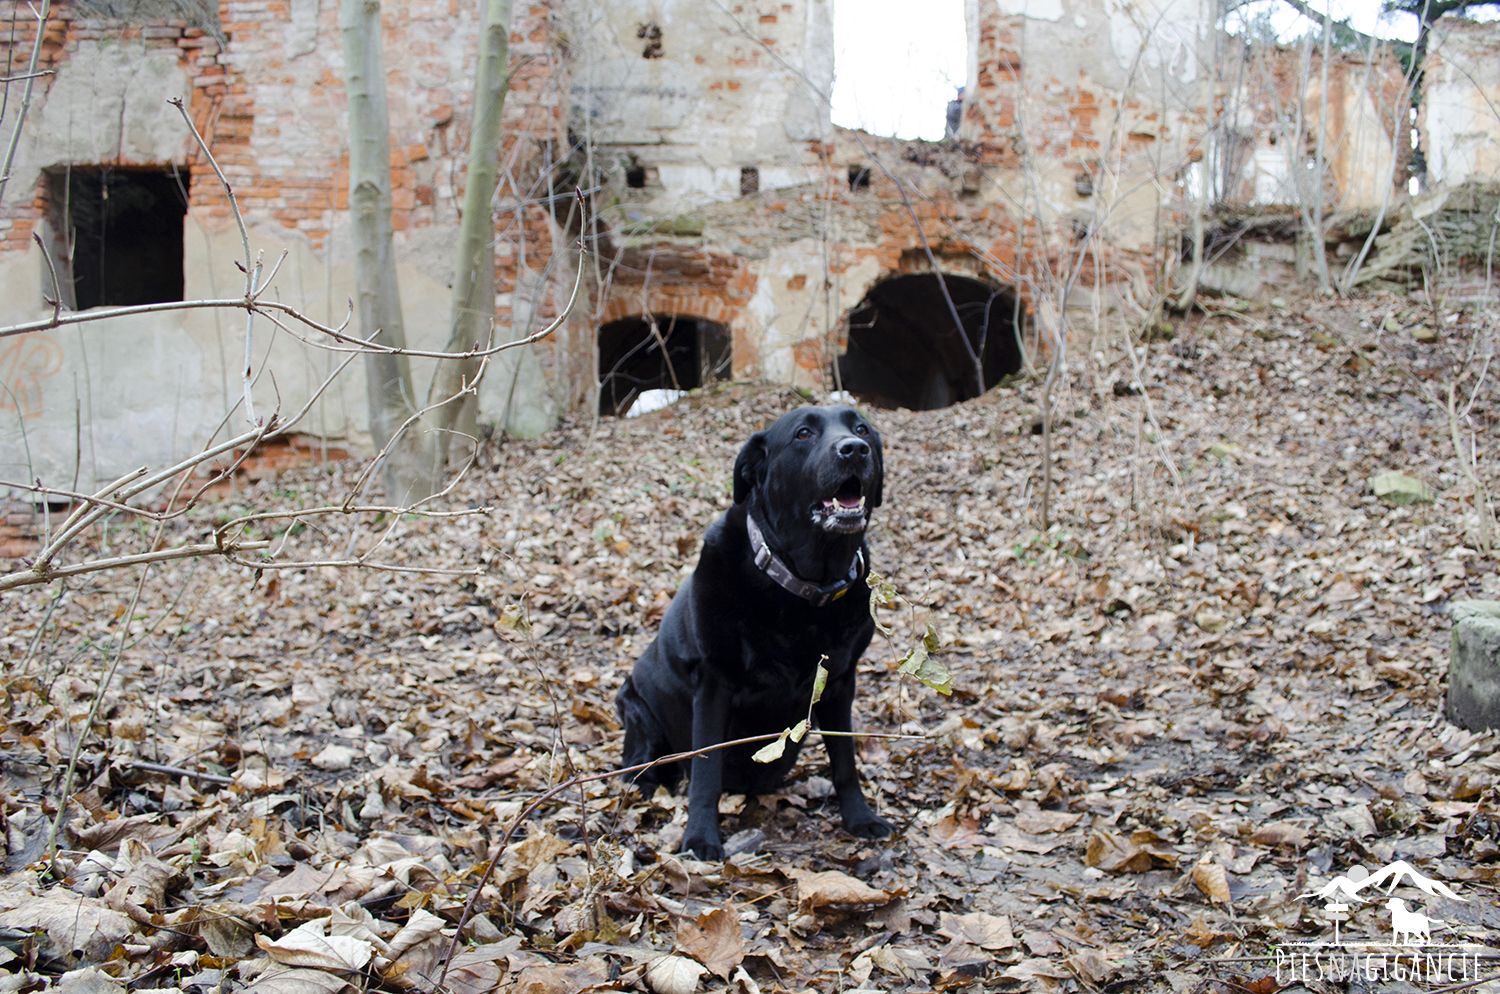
(904, 350)
(125, 226)
(631, 359)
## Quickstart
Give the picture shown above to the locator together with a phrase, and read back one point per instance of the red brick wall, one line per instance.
(273, 116)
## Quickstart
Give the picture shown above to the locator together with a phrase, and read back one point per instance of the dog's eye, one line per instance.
(861, 429)
(804, 432)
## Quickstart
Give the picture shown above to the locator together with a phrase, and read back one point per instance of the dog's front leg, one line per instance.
(710, 722)
(834, 714)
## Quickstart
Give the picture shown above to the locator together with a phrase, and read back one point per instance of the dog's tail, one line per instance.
(645, 740)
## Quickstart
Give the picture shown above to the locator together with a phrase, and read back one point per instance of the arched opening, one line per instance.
(632, 360)
(904, 350)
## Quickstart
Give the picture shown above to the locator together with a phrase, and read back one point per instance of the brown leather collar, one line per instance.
(767, 563)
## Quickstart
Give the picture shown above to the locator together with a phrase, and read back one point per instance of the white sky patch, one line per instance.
(1362, 15)
(897, 64)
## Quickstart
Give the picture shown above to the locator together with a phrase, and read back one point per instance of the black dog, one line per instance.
(779, 586)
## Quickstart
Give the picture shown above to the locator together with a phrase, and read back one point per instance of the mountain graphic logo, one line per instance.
(1358, 879)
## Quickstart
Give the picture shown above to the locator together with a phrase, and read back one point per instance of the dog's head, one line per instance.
(820, 465)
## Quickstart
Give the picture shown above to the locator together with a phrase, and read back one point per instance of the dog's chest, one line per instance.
(785, 651)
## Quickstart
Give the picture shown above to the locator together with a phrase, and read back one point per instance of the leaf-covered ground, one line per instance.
(1214, 685)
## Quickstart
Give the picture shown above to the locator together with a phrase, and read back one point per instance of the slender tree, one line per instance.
(409, 461)
(473, 308)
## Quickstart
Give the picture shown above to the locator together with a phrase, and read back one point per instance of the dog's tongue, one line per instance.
(849, 501)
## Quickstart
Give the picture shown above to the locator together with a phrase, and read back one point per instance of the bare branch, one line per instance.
(30, 77)
(28, 577)
(103, 314)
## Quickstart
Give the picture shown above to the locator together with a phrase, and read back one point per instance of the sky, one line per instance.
(895, 72)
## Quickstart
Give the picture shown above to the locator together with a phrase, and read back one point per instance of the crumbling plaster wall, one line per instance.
(1113, 96)
(1272, 108)
(1459, 118)
(271, 105)
(1079, 116)
(697, 92)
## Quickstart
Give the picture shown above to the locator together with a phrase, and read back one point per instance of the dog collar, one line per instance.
(767, 563)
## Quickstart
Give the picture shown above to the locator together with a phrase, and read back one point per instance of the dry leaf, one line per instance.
(478, 969)
(307, 945)
(569, 978)
(715, 940)
(673, 975)
(1280, 833)
(1041, 943)
(817, 890)
(1213, 881)
(68, 923)
(1030, 818)
(1091, 965)
(1012, 838)
(1112, 854)
(903, 963)
(1018, 777)
(978, 929)
(957, 833)
(143, 888)
(291, 980)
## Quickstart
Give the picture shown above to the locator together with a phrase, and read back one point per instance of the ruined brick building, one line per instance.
(731, 229)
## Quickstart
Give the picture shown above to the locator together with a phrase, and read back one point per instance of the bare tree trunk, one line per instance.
(1319, 235)
(408, 462)
(473, 315)
(1200, 212)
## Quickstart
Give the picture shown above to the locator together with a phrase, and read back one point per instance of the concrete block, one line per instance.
(1474, 665)
(1398, 488)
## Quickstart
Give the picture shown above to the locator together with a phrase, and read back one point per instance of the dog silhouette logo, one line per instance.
(1410, 928)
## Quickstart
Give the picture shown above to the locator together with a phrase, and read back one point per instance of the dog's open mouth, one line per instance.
(845, 510)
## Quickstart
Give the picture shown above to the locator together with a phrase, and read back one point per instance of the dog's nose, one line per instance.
(853, 448)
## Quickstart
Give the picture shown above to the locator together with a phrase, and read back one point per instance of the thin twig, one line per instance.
(30, 77)
(251, 274)
(178, 771)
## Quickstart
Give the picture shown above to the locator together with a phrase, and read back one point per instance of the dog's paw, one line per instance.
(707, 850)
(869, 826)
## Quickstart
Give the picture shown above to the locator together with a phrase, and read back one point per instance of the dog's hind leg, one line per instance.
(645, 740)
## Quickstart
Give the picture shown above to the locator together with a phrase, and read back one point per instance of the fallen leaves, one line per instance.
(1213, 881)
(673, 975)
(979, 929)
(832, 887)
(714, 939)
(1112, 853)
(309, 945)
(1141, 750)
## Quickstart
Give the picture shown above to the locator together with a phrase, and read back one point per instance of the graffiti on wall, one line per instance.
(26, 361)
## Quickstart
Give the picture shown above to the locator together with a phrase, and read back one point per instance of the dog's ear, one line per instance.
(749, 466)
(875, 493)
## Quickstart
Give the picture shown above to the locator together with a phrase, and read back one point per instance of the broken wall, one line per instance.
(731, 199)
(1459, 116)
(270, 103)
(1273, 117)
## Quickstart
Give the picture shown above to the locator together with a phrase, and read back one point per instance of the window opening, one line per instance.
(650, 33)
(631, 361)
(749, 181)
(117, 235)
(635, 177)
(904, 350)
(859, 177)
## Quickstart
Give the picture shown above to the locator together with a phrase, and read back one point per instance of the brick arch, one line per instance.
(671, 300)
